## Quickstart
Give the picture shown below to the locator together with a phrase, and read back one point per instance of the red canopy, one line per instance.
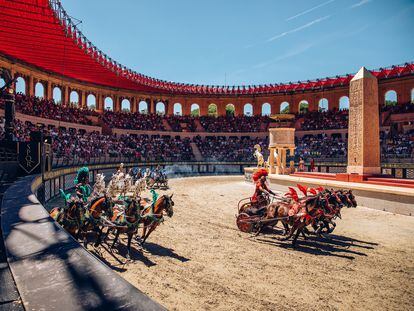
(40, 33)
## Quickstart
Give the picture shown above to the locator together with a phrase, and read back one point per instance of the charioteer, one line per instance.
(82, 187)
(260, 200)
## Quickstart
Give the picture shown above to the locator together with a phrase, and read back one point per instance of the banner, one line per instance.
(29, 156)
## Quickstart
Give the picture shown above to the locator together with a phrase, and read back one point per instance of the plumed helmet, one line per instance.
(259, 173)
(83, 173)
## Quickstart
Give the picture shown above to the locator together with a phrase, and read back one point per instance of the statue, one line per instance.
(259, 156)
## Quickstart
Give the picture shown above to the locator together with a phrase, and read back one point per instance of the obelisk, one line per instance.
(363, 128)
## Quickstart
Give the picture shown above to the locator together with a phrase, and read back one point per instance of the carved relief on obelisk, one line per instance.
(363, 128)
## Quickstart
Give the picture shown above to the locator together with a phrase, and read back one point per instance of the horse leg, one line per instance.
(144, 232)
(116, 238)
(259, 229)
(108, 231)
(303, 233)
(130, 234)
(296, 236)
(286, 226)
(148, 234)
(292, 231)
(99, 238)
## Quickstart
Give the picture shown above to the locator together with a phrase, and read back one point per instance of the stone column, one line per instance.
(65, 95)
(363, 129)
(82, 99)
(117, 103)
(29, 86)
(49, 90)
(133, 102)
(99, 102)
(272, 168)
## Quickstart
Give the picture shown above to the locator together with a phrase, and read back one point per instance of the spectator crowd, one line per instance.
(69, 143)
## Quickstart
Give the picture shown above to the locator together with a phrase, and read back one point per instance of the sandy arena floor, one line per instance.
(198, 260)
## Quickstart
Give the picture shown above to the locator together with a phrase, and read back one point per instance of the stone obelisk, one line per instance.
(363, 128)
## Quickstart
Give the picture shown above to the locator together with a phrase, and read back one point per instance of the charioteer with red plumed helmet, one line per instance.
(260, 198)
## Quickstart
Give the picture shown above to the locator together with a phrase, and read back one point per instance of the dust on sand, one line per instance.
(199, 260)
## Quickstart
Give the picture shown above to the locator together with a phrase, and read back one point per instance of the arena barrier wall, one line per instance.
(398, 200)
(51, 269)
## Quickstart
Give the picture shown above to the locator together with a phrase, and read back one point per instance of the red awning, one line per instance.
(38, 34)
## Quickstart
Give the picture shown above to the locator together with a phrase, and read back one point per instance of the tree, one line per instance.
(230, 110)
(212, 110)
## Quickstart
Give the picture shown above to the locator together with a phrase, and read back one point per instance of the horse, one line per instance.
(70, 217)
(97, 207)
(99, 186)
(153, 215)
(125, 222)
(304, 218)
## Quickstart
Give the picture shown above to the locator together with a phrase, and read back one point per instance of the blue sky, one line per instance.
(249, 42)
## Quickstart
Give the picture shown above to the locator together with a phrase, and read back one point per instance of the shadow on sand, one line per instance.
(329, 245)
(137, 253)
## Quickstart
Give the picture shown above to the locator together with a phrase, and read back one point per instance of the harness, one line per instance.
(151, 216)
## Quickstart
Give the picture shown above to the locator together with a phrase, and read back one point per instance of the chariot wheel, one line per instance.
(245, 223)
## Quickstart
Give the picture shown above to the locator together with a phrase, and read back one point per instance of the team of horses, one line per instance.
(118, 217)
(316, 210)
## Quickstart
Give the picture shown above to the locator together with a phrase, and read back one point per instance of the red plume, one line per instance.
(303, 189)
(320, 188)
(293, 194)
(313, 191)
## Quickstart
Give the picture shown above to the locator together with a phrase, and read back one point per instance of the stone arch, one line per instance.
(212, 110)
(266, 109)
(284, 107)
(230, 110)
(160, 108)
(323, 104)
(21, 85)
(143, 107)
(195, 110)
(344, 103)
(91, 101)
(74, 98)
(178, 109)
(57, 95)
(40, 90)
(109, 103)
(126, 105)
(248, 109)
(303, 106)
(390, 98)
(412, 96)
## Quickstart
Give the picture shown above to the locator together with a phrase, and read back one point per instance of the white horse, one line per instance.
(259, 156)
(99, 188)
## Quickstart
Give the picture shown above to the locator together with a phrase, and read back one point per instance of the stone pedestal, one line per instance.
(363, 128)
(280, 140)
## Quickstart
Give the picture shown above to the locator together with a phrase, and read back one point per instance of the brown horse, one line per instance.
(125, 222)
(97, 207)
(299, 222)
(70, 217)
(153, 215)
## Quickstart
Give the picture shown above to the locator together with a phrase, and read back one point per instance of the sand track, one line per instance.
(198, 260)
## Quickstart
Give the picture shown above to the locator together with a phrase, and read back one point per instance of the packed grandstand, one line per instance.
(144, 118)
(162, 141)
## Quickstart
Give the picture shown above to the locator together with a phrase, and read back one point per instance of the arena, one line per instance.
(120, 190)
(199, 260)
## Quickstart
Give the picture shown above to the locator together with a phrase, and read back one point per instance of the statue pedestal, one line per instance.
(280, 141)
